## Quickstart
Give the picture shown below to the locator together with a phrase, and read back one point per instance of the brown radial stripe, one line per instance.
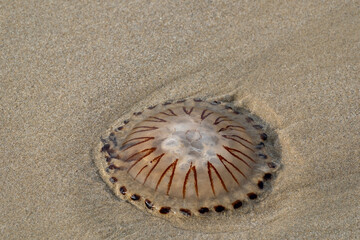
(235, 150)
(232, 127)
(237, 136)
(205, 115)
(221, 119)
(172, 165)
(188, 112)
(191, 168)
(211, 180)
(157, 159)
(169, 114)
(149, 151)
(230, 151)
(232, 137)
(133, 145)
(171, 177)
(141, 170)
(145, 129)
(223, 159)
(154, 119)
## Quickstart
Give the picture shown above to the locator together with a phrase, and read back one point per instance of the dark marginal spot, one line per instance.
(148, 204)
(164, 210)
(123, 190)
(263, 136)
(113, 138)
(112, 153)
(271, 165)
(260, 145)
(267, 176)
(167, 103)
(112, 166)
(135, 197)
(113, 179)
(186, 212)
(137, 113)
(152, 107)
(258, 127)
(108, 159)
(126, 121)
(219, 208)
(260, 184)
(228, 107)
(262, 156)
(197, 100)
(215, 103)
(105, 147)
(252, 196)
(236, 112)
(249, 119)
(120, 128)
(181, 101)
(237, 204)
(203, 210)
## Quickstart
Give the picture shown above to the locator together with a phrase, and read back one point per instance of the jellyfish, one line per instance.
(187, 158)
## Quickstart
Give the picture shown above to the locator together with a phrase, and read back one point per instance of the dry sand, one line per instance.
(70, 69)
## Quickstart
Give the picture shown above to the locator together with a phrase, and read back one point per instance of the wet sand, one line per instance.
(69, 70)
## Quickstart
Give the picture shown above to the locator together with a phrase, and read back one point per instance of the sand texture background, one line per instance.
(69, 69)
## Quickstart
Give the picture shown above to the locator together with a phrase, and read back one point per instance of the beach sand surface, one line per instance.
(70, 69)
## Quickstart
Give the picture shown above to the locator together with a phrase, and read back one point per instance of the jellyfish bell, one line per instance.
(185, 158)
